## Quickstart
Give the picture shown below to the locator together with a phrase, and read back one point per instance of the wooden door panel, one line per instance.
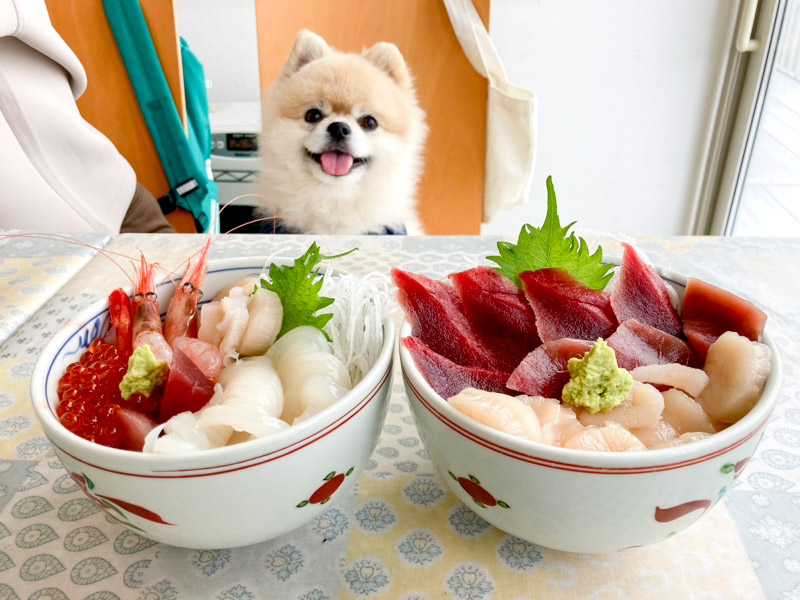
(452, 94)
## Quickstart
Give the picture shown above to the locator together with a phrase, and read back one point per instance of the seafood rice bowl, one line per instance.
(266, 475)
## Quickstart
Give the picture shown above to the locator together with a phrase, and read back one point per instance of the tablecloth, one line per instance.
(399, 533)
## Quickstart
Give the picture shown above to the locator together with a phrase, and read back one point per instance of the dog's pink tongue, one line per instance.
(336, 163)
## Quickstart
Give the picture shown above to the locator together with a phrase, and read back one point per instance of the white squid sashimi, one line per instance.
(737, 369)
(306, 398)
(692, 381)
(182, 434)
(499, 411)
(558, 421)
(642, 409)
(605, 439)
(296, 342)
(685, 414)
(265, 316)
(252, 400)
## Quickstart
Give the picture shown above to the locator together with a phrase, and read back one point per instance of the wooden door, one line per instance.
(452, 94)
(109, 102)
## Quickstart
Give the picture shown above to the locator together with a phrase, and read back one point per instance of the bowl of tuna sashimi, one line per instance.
(225, 417)
(580, 405)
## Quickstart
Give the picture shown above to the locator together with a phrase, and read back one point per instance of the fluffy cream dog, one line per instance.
(341, 142)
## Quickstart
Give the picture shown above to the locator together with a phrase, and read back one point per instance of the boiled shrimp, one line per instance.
(182, 309)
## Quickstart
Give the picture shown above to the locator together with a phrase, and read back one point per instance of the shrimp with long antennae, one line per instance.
(182, 309)
(147, 327)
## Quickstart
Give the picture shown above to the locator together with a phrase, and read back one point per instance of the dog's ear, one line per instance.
(387, 57)
(307, 47)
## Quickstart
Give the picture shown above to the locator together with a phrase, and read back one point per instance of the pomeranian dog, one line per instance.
(341, 142)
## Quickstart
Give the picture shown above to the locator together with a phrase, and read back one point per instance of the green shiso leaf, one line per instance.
(551, 245)
(298, 288)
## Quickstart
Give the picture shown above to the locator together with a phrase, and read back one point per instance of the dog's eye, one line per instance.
(368, 122)
(313, 115)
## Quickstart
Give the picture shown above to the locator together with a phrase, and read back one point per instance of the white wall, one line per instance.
(222, 34)
(626, 93)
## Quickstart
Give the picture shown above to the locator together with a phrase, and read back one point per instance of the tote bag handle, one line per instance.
(511, 115)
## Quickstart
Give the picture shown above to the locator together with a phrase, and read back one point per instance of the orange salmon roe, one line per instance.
(89, 396)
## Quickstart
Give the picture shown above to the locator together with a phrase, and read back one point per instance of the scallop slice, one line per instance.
(248, 284)
(642, 409)
(209, 317)
(653, 436)
(498, 411)
(685, 414)
(686, 438)
(737, 369)
(558, 421)
(692, 381)
(605, 439)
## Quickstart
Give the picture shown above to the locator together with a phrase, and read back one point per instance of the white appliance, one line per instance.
(235, 129)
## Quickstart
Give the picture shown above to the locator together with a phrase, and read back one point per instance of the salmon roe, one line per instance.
(89, 396)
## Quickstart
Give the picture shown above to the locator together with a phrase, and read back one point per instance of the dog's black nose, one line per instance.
(338, 130)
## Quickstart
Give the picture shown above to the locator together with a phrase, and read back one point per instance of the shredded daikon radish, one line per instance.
(356, 328)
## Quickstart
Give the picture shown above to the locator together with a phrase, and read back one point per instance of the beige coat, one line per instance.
(57, 172)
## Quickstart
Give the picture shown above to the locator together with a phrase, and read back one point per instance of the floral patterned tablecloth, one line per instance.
(399, 533)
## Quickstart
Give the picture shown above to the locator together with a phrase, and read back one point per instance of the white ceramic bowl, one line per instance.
(578, 500)
(226, 497)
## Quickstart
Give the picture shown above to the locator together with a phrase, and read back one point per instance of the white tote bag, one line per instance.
(510, 116)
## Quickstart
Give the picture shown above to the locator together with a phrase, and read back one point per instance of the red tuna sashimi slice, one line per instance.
(636, 344)
(187, 387)
(436, 317)
(709, 311)
(499, 314)
(544, 371)
(447, 378)
(565, 307)
(641, 294)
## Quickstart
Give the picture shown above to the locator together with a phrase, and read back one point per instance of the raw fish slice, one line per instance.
(544, 371)
(187, 388)
(447, 378)
(499, 314)
(641, 294)
(566, 308)
(499, 411)
(709, 311)
(436, 316)
(690, 380)
(605, 439)
(558, 421)
(306, 398)
(636, 344)
(684, 413)
(737, 370)
(642, 409)
(654, 436)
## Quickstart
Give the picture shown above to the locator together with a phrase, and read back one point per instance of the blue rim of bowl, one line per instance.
(183, 465)
(616, 463)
